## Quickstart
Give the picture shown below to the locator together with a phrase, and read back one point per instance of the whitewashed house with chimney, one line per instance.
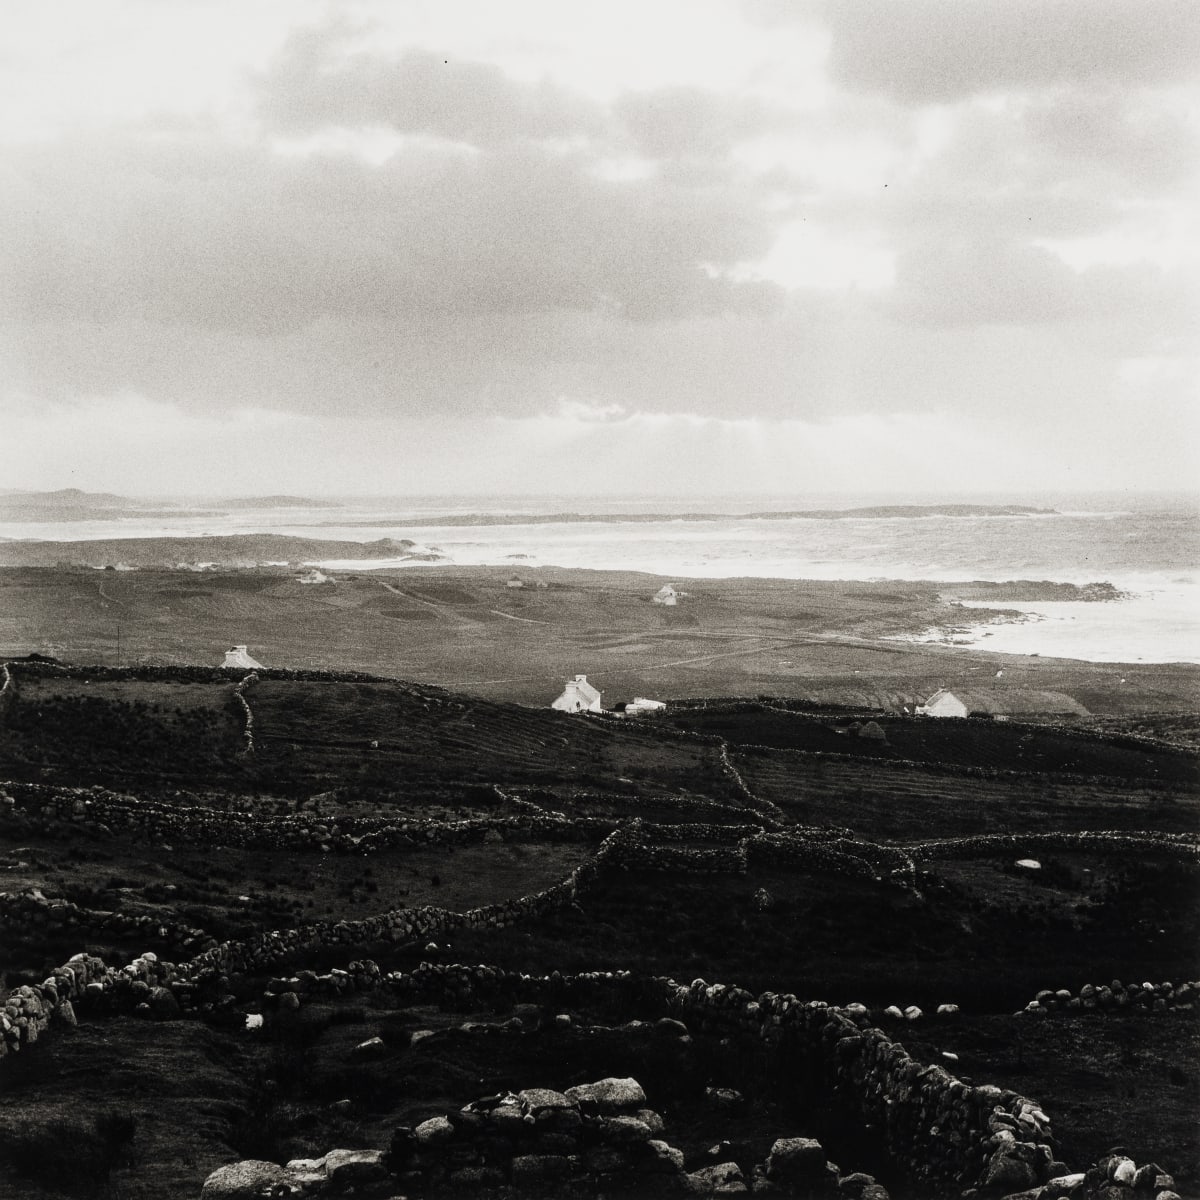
(578, 696)
(666, 595)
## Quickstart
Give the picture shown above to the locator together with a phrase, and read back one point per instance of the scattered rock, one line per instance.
(609, 1095)
(724, 1099)
(724, 1179)
(250, 1179)
(374, 1047)
(434, 1131)
(797, 1161)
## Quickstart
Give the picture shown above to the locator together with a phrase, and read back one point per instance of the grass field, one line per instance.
(463, 628)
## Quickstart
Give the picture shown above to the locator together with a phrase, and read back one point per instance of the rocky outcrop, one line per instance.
(591, 1140)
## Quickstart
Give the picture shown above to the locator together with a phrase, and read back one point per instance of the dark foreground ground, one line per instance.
(128, 1107)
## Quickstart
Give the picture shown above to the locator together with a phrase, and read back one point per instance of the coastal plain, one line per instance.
(465, 628)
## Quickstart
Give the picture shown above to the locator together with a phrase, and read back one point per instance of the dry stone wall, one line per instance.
(59, 809)
(1114, 843)
(1149, 997)
(30, 915)
(247, 714)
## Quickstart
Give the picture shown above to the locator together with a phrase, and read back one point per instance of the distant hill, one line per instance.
(74, 504)
(66, 498)
(243, 549)
(877, 512)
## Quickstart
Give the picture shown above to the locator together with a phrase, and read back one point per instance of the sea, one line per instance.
(1146, 545)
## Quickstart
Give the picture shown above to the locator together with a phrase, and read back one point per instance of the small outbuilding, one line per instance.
(639, 706)
(1005, 705)
(666, 595)
(515, 582)
(239, 656)
(578, 696)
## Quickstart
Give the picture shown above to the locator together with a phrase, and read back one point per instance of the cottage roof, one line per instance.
(581, 686)
(1013, 701)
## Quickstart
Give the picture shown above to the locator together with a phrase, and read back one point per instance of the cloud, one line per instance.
(979, 280)
(318, 80)
(939, 51)
(681, 123)
(1132, 141)
(921, 208)
(226, 237)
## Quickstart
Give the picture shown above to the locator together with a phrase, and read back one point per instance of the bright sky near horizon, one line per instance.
(674, 245)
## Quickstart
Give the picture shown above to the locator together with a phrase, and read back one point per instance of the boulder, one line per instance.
(434, 1132)
(550, 1110)
(671, 1027)
(663, 1157)
(796, 1161)
(725, 1179)
(537, 1100)
(1007, 1172)
(1146, 1178)
(650, 1119)
(350, 1168)
(854, 1183)
(724, 1099)
(374, 1047)
(163, 1003)
(609, 1095)
(620, 1130)
(250, 1179)
(1122, 1170)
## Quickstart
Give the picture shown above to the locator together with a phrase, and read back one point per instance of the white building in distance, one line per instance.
(666, 595)
(578, 696)
(639, 706)
(239, 656)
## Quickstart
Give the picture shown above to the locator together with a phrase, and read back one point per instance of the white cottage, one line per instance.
(239, 656)
(578, 696)
(666, 595)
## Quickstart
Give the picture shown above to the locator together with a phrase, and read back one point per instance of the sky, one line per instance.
(671, 246)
